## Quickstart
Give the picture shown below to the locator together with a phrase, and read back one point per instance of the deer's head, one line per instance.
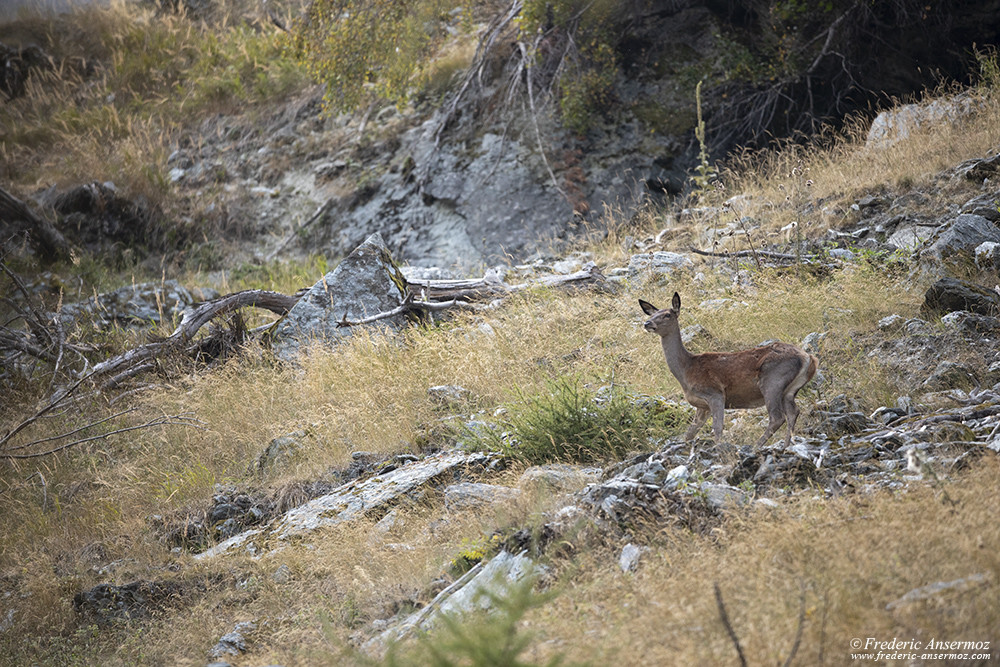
(663, 321)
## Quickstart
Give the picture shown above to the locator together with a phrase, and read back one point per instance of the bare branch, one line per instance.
(729, 626)
(181, 419)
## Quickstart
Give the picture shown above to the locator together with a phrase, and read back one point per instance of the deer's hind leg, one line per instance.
(700, 417)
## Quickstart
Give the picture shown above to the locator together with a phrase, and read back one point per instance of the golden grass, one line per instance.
(849, 557)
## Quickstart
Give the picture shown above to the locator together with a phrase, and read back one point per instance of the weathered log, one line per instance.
(193, 320)
(491, 284)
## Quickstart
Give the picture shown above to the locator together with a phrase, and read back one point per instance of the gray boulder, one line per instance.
(965, 233)
(950, 294)
(365, 283)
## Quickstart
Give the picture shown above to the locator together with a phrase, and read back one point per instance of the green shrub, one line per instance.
(569, 422)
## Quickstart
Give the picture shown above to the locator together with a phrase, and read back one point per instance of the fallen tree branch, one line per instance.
(193, 320)
(42, 234)
(491, 284)
(729, 626)
(182, 419)
(751, 253)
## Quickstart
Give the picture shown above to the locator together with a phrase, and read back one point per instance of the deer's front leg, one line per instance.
(717, 404)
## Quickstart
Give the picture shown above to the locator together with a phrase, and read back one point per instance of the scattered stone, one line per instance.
(813, 342)
(659, 263)
(280, 451)
(473, 591)
(971, 323)
(696, 335)
(282, 575)
(891, 323)
(721, 496)
(234, 642)
(142, 305)
(108, 602)
(901, 122)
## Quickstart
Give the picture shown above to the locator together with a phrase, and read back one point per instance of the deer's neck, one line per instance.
(678, 358)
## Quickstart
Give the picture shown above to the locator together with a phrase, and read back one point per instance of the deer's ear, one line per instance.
(676, 303)
(647, 307)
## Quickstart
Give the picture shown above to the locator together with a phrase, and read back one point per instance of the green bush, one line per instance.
(571, 423)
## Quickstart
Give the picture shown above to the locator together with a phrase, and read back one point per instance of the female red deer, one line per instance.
(769, 375)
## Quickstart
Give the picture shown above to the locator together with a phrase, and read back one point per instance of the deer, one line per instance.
(769, 375)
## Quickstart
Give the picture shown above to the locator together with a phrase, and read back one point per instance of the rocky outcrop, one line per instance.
(366, 283)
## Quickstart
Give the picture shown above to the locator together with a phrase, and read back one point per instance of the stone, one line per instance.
(108, 602)
(365, 283)
(901, 122)
(234, 642)
(628, 560)
(988, 256)
(963, 234)
(721, 496)
(448, 394)
(892, 322)
(141, 305)
(280, 450)
(951, 294)
(660, 263)
(696, 335)
(474, 591)
(470, 495)
(971, 323)
(355, 499)
(950, 375)
(560, 477)
(939, 589)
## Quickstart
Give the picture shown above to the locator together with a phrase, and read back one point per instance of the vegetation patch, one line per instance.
(569, 422)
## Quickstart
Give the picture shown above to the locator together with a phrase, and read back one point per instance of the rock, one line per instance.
(979, 169)
(107, 602)
(447, 395)
(560, 477)
(282, 575)
(721, 496)
(988, 256)
(476, 590)
(658, 263)
(234, 642)
(964, 234)
(97, 216)
(469, 495)
(901, 122)
(365, 283)
(355, 499)
(951, 294)
(835, 425)
(695, 335)
(142, 305)
(891, 323)
(971, 323)
(938, 590)
(813, 342)
(950, 375)
(628, 561)
(984, 205)
(280, 451)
